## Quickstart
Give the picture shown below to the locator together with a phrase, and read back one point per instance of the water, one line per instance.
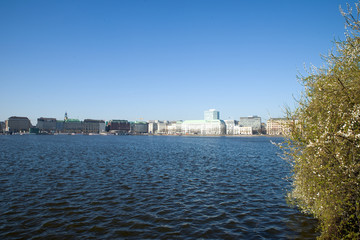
(141, 187)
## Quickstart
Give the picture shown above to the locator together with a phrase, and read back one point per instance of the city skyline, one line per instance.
(67, 117)
(165, 60)
(211, 124)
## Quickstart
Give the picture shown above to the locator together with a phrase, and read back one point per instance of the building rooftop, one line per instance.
(278, 119)
(47, 119)
(119, 121)
(202, 121)
(94, 121)
(250, 117)
(138, 122)
(72, 120)
(14, 117)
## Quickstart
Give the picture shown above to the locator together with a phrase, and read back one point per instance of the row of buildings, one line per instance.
(210, 125)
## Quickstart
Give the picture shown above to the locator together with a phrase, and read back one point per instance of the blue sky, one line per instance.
(167, 60)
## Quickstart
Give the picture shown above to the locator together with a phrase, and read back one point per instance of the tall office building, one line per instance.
(253, 121)
(211, 114)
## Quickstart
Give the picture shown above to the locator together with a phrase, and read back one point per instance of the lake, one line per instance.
(146, 187)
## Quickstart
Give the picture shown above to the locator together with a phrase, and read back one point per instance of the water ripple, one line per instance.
(70, 187)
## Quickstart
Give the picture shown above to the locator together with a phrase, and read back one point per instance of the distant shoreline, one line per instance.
(161, 135)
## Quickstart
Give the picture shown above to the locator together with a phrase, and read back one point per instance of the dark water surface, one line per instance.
(141, 187)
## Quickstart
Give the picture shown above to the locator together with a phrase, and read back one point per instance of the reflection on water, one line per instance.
(145, 187)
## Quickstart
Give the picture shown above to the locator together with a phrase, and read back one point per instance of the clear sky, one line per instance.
(152, 59)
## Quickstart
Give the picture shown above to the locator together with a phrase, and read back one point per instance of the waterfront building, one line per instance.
(178, 126)
(211, 114)
(139, 127)
(17, 124)
(59, 126)
(72, 126)
(152, 127)
(254, 122)
(162, 127)
(242, 130)
(46, 124)
(278, 126)
(93, 126)
(263, 128)
(157, 127)
(2, 127)
(171, 128)
(34, 130)
(230, 124)
(102, 126)
(203, 127)
(211, 125)
(118, 126)
(174, 127)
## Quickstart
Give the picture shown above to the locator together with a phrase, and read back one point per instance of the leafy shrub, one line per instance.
(324, 143)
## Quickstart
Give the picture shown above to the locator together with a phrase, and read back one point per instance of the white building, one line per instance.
(157, 127)
(152, 127)
(230, 124)
(243, 130)
(203, 127)
(174, 127)
(162, 127)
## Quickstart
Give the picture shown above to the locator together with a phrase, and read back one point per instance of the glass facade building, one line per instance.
(254, 122)
(211, 114)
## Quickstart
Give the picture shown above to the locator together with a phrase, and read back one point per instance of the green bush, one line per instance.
(324, 143)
